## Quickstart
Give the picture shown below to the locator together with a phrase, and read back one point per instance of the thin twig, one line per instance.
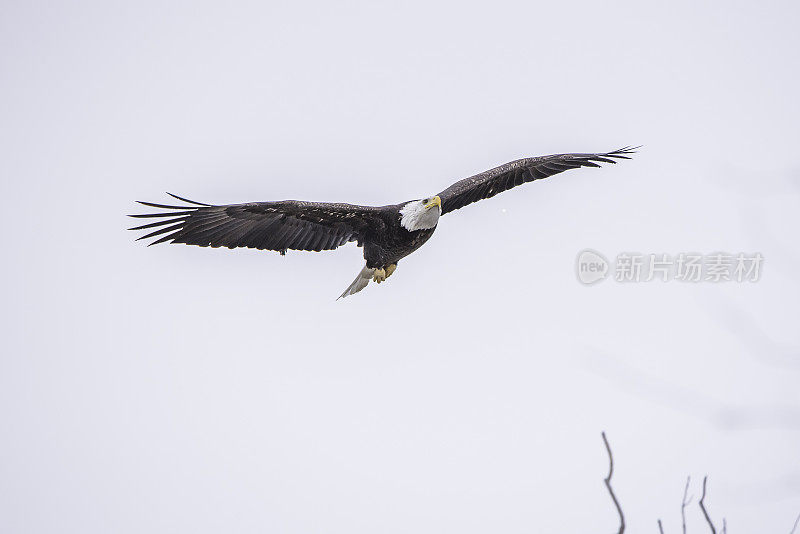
(608, 485)
(660, 527)
(703, 508)
(796, 521)
(685, 503)
(724, 526)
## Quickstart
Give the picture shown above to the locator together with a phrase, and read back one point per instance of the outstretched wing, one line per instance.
(287, 224)
(489, 183)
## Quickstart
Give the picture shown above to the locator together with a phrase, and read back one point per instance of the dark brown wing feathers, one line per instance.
(279, 226)
(488, 184)
(297, 225)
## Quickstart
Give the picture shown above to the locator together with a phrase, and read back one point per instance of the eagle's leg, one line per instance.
(379, 275)
(383, 273)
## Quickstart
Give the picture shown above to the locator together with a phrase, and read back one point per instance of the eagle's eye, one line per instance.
(426, 201)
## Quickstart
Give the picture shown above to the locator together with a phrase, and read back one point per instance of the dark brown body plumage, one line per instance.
(393, 244)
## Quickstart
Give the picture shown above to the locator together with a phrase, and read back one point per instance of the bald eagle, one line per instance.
(387, 233)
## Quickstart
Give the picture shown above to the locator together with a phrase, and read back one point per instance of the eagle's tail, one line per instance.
(359, 283)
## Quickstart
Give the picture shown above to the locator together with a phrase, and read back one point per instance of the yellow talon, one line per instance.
(379, 275)
(390, 269)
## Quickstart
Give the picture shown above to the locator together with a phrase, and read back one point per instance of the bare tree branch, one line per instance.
(724, 526)
(608, 485)
(703, 508)
(685, 503)
(796, 521)
(660, 527)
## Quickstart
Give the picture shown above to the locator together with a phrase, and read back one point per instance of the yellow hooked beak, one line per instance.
(435, 201)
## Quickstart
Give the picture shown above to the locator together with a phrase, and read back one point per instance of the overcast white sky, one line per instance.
(181, 389)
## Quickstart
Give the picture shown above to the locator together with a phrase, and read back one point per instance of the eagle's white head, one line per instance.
(421, 214)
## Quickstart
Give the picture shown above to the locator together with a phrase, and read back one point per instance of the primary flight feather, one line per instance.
(387, 233)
